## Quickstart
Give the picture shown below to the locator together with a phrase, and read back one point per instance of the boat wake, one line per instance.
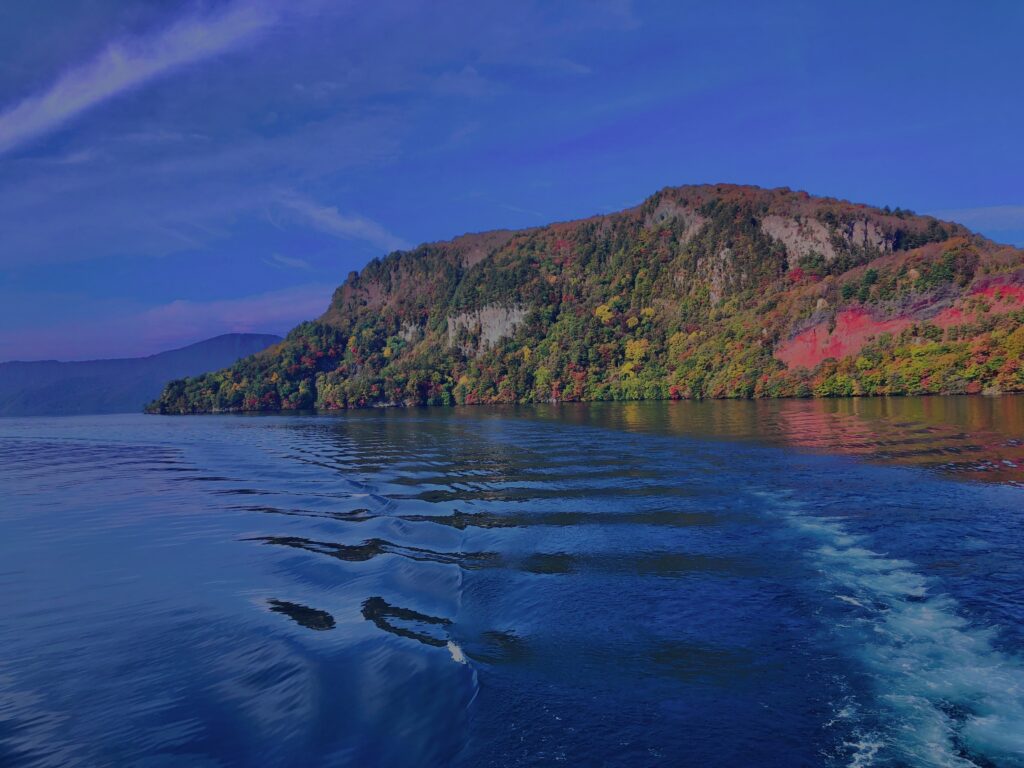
(943, 694)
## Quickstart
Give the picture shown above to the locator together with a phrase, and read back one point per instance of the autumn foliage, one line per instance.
(689, 295)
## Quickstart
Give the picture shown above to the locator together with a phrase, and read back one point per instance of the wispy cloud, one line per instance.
(77, 157)
(346, 225)
(569, 67)
(156, 199)
(127, 64)
(286, 262)
(517, 209)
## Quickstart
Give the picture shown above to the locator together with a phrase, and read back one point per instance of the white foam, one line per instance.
(864, 750)
(457, 655)
(943, 691)
(850, 600)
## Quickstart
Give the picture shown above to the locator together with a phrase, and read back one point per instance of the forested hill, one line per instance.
(125, 385)
(701, 291)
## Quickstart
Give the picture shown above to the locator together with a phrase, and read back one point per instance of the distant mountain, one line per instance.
(125, 385)
(700, 291)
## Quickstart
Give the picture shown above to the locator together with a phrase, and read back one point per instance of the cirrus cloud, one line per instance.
(127, 64)
(329, 219)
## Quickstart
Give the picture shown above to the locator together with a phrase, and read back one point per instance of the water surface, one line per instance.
(773, 583)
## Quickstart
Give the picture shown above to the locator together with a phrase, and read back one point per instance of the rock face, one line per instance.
(700, 291)
(805, 237)
(668, 211)
(486, 325)
(866, 234)
(800, 238)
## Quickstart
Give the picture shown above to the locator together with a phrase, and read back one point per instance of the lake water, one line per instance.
(799, 583)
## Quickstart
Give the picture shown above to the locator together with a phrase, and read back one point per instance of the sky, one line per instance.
(170, 171)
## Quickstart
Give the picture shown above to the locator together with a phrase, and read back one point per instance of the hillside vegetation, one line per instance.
(700, 292)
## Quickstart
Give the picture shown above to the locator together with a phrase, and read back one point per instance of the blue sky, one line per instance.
(170, 171)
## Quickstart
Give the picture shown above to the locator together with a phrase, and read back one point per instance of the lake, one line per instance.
(773, 583)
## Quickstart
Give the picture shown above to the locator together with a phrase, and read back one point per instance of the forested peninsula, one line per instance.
(713, 291)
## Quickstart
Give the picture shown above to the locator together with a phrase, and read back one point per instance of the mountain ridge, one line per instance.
(700, 291)
(113, 385)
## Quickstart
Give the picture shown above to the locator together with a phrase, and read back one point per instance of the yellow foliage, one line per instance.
(632, 322)
(604, 313)
(527, 352)
(677, 345)
(636, 350)
(1015, 342)
(464, 380)
(387, 352)
(647, 311)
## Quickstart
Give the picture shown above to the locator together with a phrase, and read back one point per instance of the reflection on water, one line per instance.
(302, 614)
(405, 622)
(982, 437)
(729, 583)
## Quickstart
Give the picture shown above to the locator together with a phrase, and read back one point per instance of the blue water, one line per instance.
(678, 584)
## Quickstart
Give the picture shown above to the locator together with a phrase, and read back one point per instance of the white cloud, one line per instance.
(346, 225)
(128, 64)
